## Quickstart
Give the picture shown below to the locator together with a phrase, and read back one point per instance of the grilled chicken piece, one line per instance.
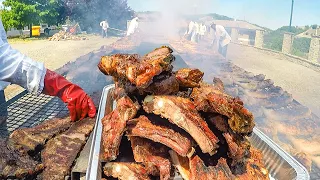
(28, 139)
(14, 165)
(114, 126)
(139, 71)
(182, 112)
(153, 156)
(199, 171)
(207, 98)
(143, 127)
(189, 78)
(126, 171)
(61, 151)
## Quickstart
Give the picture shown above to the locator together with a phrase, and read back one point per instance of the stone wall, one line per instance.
(314, 51)
(295, 59)
(287, 43)
(259, 38)
(234, 35)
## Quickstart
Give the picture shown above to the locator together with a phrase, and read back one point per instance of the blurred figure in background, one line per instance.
(197, 32)
(192, 32)
(203, 30)
(221, 39)
(133, 26)
(104, 28)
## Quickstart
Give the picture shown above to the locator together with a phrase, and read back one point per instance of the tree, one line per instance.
(90, 14)
(26, 12)
(20, 14)
(314, 26)
(7, 19)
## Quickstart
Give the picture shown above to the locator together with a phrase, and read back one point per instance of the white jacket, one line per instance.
(133, 26)
(222, 36)
(203, 29)
(19, 69)
(191, 28)
(104, 25)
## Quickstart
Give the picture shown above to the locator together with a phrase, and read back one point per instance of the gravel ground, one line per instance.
(55, 54)
(303, 83)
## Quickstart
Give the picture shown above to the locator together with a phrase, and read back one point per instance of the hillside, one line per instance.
(273, 40)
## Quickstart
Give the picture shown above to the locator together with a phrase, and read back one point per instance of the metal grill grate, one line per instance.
(27, 110)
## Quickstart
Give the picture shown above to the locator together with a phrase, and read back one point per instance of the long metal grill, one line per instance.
(27, 110)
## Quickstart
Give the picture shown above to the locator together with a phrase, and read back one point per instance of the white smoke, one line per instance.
(173, 11)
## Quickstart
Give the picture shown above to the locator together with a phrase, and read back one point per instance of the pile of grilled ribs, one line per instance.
(174, 121)
(46, 151)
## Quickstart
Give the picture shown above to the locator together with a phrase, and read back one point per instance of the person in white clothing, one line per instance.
(203, 30)
(104, 28)
(192, 31)
(19, 69)
(221, 39)
(133, 26)
(197, 32)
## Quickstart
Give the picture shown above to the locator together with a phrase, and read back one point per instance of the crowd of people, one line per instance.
(197, 32)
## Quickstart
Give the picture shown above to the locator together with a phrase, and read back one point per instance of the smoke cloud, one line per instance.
(173, 12)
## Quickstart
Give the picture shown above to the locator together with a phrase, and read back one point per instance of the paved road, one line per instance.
(303, 83)
(55, 54)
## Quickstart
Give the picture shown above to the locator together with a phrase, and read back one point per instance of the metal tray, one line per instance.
(280, 164)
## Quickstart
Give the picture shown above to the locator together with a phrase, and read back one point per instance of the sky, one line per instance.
(268, 13)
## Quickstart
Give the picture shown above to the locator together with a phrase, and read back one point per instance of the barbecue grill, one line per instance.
(26, 110)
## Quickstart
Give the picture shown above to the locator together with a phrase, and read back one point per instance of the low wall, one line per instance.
(288, 57)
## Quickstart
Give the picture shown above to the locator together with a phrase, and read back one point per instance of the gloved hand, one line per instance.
(79, 103)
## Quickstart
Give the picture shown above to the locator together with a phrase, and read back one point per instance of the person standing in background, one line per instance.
(203, 30)
(133, 26)
(104, 28)
(197, 32)
(221, 39)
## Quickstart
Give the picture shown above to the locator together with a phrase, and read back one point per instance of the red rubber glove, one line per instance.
(79, 103)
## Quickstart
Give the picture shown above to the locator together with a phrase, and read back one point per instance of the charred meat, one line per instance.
(181, 111)
(238, 150)
(189, 78)
(207, 98)
(125, 171)
(61, 151)
(142, 127)
(153, 156)
(28, 139)
(198, 170)
(138, 70)
(114, 125)
(14, 165)
(254, 167)
(167, 85)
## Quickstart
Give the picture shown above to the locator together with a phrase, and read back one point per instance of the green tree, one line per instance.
(90, 14)
(7, 19)
(26, 12)
(314, 26)
(20, 14)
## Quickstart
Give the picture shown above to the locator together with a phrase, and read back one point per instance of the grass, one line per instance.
(25, 39)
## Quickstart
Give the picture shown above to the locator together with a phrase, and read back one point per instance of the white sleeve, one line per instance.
(19, 69)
